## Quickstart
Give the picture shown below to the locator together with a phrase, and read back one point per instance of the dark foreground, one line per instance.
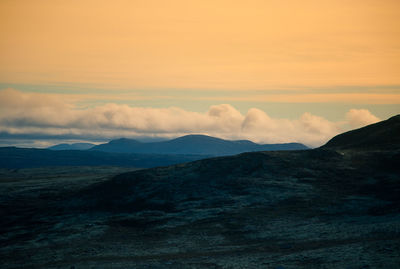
(303, 209)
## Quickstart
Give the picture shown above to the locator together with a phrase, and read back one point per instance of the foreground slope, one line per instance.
(192, 144)
(318, 208)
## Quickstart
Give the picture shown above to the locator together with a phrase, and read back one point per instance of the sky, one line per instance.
(269, 71)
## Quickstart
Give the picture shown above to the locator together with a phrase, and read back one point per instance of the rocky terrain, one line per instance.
(332, 207)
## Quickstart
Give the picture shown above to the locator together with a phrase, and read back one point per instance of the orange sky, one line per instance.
(266, 70)
(233, 45)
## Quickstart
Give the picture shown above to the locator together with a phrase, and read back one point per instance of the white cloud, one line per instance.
(360, 117)
(33, 113)
(308, 129)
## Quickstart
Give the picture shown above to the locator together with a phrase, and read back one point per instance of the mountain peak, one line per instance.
(197, 137)
(124, 140)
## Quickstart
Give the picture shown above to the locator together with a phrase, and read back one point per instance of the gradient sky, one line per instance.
(282, 58)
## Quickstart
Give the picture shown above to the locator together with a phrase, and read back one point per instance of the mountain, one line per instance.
(129, 152)
(193, 144)
(280, 209)
(12, 157)
(75, 146)
(384, 135)
(122, 145)
(280, 174)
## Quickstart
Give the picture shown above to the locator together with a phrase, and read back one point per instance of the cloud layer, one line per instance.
(45, 114)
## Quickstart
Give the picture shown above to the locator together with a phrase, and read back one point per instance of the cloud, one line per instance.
(45, 114)
(360, 117)
(308, 129)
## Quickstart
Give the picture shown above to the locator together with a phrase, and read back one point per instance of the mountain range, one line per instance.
(128, 152)
(192, 144)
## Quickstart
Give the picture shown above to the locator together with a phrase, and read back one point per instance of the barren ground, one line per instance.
(304, 209)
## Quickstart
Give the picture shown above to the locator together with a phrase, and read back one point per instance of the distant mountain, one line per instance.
(193, 144)
(129, 152)
(384, 135)
(75, 146)
(122, 145)
(12, 157)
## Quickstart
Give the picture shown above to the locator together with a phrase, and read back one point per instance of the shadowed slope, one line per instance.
(220, 175)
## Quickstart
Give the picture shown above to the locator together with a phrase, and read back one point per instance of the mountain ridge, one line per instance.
(193, 144)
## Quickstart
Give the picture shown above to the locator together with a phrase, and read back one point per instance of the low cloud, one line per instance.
(32, 113)
(360, 117)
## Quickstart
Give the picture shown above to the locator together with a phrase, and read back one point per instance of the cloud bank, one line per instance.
(360, 117)
(44, 114)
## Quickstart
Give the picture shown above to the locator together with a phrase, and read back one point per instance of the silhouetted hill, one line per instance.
(259, 206)
(193, 144)
(75, 146)
(12, 157)
(384, 135)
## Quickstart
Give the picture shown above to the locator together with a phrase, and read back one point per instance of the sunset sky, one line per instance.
(269, 71)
